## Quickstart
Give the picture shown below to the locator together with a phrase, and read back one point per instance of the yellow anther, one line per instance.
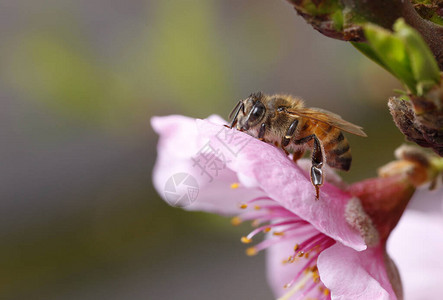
(235, 185)
(296, 247)
(267, 229)
(279, 233)
(243, 206)
(315, 275)
(289, 260)
(307, 255)
(301, 253)
(257, 207)
(236, 221)
(326, 292)
(286, 285)
(251, 251)
(245, 240)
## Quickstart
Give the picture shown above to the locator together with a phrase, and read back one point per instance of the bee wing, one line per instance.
(327, 117)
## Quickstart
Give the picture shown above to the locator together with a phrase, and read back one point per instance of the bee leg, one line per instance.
(297, 155)
(305, 139)
(317, 164)
(289, 133)
(261, 133)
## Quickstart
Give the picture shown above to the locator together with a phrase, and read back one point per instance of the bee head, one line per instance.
(252, 112)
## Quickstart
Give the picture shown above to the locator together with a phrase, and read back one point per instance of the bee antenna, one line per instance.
(239, 106)
(234, 109)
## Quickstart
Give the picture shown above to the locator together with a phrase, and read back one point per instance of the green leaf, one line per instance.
(391, 51)
(404, 54)
(424, 67)
(369, 52)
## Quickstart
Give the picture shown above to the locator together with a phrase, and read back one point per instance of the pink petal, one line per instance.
(279, 273)
(429, 201)
(179, 141)
(416, 245)
(355, 275)
(271, 170)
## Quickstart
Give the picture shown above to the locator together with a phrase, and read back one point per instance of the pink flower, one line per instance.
(416, 245)
(316, 248)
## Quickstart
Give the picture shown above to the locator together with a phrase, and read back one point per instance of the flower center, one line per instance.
(281, 225)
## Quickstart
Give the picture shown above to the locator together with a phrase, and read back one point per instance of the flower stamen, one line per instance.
(236, 221)
(300, 285)
(245, 240)
(267, 216)
(251, 251)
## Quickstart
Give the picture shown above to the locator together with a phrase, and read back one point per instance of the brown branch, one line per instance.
(356, 12)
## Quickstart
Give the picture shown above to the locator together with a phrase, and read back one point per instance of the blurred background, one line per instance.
(79, 82)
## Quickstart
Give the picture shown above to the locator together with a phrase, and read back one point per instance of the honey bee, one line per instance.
(284, 121)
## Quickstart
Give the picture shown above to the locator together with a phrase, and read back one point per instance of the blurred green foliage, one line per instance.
(55, 68)
(186, 54)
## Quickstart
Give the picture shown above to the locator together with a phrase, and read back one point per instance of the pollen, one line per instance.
(251, 251)
(235, 185)
(358, 219)
(288, 260)
(245, 240)
(278, 226)
(236, 221)
(316, 278)
(255, 223)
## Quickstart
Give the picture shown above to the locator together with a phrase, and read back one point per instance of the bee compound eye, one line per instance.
(257, 111)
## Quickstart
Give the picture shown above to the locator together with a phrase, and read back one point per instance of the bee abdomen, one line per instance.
(338, 152)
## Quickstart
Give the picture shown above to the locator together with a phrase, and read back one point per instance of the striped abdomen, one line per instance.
(335, 145)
